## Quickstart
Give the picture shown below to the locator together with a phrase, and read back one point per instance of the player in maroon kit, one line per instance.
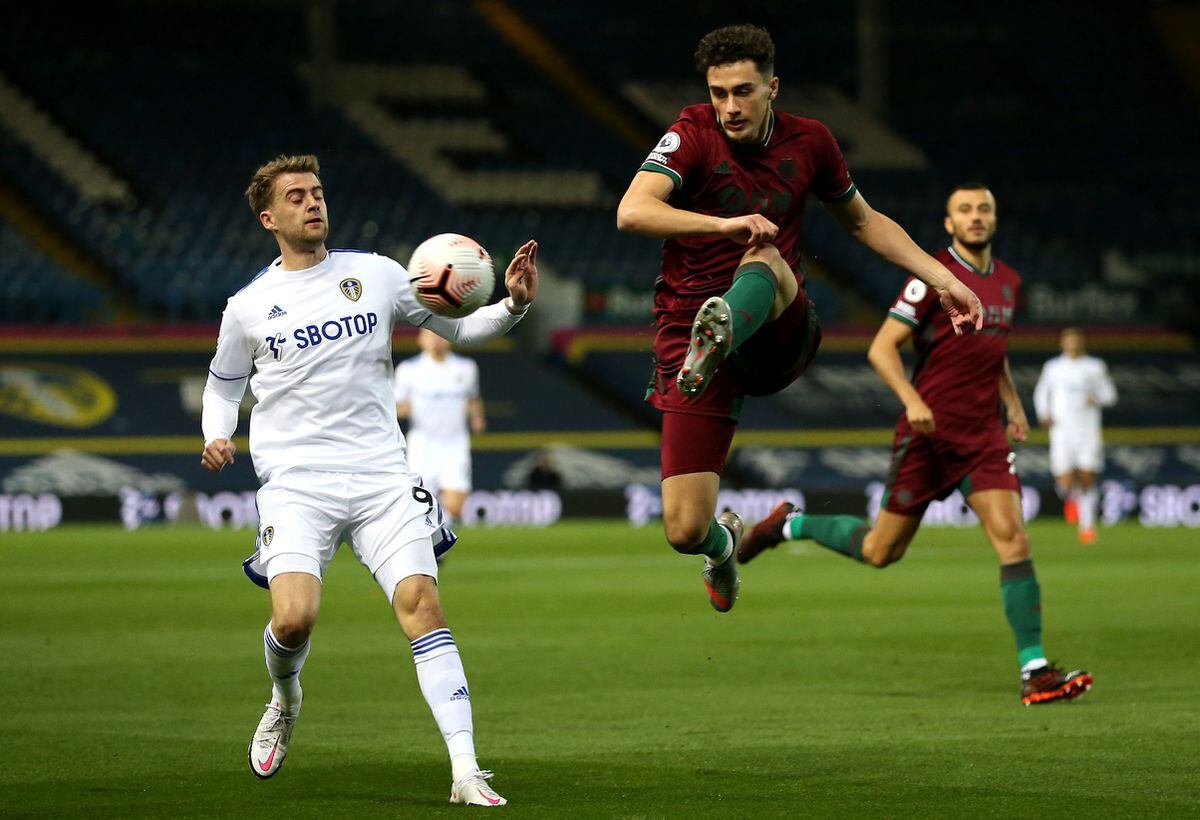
(726, 189)
(950, 437)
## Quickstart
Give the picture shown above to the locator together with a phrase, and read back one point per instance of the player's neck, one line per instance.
(980, 259)
(301, 258)
(438, 356)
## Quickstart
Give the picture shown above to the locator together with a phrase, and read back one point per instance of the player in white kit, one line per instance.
(312, 335)
(438, 392)
(1071, 391)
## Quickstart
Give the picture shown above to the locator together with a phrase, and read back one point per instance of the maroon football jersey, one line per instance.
(959, 376)
(715, 176)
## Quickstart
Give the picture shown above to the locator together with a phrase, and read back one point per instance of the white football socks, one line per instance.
(444, 685)
(1088, 501)
(284, 666)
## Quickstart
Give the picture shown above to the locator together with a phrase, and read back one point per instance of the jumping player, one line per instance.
(1068, 397)
(312, 334)
(950, 437)
(726, 189)
(438, 392)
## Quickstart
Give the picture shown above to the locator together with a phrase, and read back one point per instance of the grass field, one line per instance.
(131, 677)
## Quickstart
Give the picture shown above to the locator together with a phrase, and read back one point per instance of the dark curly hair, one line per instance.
(732, 44)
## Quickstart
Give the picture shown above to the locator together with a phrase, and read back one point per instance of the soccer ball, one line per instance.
(451, 275)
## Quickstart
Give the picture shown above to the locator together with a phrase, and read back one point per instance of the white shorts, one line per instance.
(441, 466)
(1076, 450)
(390, 524)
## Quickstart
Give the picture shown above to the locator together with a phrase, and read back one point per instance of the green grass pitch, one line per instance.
(131, 677)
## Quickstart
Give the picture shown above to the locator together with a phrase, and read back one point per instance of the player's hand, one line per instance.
(962, 304)
(217, 454)
(752, 229)
(1018, 426)
(521, 277)
(920, 417)
(1046, 421)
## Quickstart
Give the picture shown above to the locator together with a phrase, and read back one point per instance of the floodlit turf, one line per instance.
(131, 677)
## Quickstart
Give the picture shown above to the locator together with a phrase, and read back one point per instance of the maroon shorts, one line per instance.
(774, 357)
(697, 430)
(928, 469)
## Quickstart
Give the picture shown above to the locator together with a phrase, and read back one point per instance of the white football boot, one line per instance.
(473, 790)
(269, 746)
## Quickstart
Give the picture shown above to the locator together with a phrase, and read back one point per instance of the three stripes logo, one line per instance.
(461, 694)
(276, 312)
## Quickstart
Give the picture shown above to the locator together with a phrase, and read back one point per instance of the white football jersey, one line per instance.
(317, 345)
(1064, 389)
(437, 393)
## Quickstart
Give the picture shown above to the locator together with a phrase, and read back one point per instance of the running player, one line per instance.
(726, 189)
(1068, 397)
(438, 392)
(950, 437)
(312, 334)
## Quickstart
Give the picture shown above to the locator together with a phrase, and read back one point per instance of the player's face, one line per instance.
(971, 218)
(742, 98)
(297, 211)
(432, 343)
(1072, 343)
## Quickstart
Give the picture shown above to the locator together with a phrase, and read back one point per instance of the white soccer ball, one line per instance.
(451, 275)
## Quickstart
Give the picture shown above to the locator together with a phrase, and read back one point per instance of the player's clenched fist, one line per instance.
(217, 453)
(753, 229)
(920, 417)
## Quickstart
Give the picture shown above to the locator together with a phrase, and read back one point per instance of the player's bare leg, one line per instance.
(1064, 486)
(879, 545)
(763, 287)
(689, 501)
(1088, 501)
(295, 603)
(443, 682)
(1000, 514)
(452, 502)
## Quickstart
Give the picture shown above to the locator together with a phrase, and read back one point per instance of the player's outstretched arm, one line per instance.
(1018, 424)
(644, 209)
(487, 323)
(884, 355)
(889, 240)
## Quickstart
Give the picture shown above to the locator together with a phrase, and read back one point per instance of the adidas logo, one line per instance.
(276, 312)
(461, 694)
(723, 168)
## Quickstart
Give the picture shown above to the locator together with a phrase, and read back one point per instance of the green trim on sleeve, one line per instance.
(910, 322)
(662, 169)
(845, 196)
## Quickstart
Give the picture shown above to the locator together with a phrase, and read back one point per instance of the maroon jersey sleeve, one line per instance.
(832, 182)
(680, 150)
(915, 304)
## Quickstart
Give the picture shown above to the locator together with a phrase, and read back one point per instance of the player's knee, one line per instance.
(417, 603)
(686, 535)
(766, 254)
(881, 553)
(292, 626)
(1014, 547)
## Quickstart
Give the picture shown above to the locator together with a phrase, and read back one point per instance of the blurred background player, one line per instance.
(438, 393)
(313, 332)
(950, 437)
(1068, 397)
(737, 174)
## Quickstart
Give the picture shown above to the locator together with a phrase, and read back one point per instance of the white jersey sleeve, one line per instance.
(1041, 393)
(1106, 391)
(473, 384)
(228, 373)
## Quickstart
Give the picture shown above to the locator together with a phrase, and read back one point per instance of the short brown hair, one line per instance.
(972, 185)
(262, 184)
(733, 44)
